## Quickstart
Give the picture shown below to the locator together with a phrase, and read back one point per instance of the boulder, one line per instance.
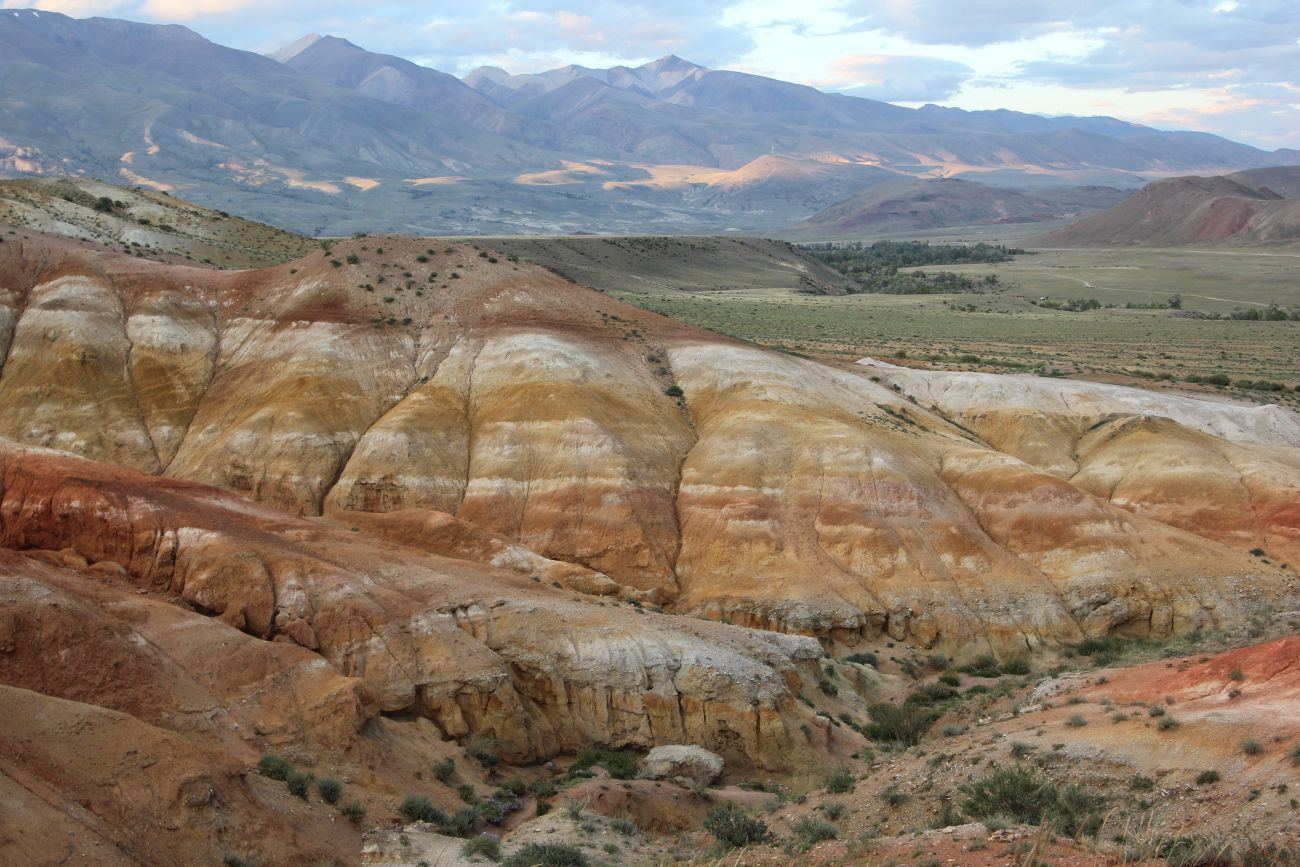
(690, 764)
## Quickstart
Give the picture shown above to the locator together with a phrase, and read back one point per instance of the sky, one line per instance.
(1230, 67)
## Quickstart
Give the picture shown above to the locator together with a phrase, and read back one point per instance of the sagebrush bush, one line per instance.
(444, 770)
(905, 725)
(735, 828)
(299, 784)
(353, 811)
(840, 780)
(931, 693)
(1021, 794)
(1205, 778)
(484, 844)
(809, 830)
(982, 666)
(621, 764)
(546, 855)
(418, 808)
(330, 790)
(274, 767)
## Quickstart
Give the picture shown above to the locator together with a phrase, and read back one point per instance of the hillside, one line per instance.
(1240, 209)
(145, 223)
(647, 263)
(911, 205)
(325, 137)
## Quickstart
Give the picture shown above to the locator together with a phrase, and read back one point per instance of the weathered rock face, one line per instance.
(471, 648)
(387, 376)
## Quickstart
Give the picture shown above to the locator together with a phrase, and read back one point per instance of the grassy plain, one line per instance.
(1003, 331)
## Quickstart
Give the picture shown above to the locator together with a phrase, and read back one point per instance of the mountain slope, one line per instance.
(1234, 209)
(907, 205)
(328, 138)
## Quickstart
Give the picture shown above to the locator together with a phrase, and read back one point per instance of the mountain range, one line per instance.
(326, 137)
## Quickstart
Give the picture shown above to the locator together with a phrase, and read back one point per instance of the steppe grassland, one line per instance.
(1004, 331)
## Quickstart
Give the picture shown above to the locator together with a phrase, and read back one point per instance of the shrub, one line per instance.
(623, 826)
(330, 790)
(546, 855)
(542, 788)
(459, 823)
(467, 793)
(1019, 793)
(620, 764)
(1156, 710)
(482, 749)
(484, 844)
(1205, 778)
(734, 828)
(1019, 665)
(674, 391)
(353, 811)
(1252, 747)
(839, 781)
(299, 784)
(808, 830)
(905, 725)
(951, 730)
(1236, 674)
(1294, 755)
(543, 807)
(931, 693)
(833, 810)
(867, 658)
(444, 770)
(1167, 723)
(1195, 851)
(950, 678)
(418, 808)
(1076, 721)
(982, 666)
(274, 767)
(893, 796)
(1019, 749)
(573, 807)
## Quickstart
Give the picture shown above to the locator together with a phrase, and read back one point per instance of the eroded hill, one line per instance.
(384, 504)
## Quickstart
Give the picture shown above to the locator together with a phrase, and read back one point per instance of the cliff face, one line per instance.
(386, 375)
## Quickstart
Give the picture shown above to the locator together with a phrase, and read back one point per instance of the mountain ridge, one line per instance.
(326, 137)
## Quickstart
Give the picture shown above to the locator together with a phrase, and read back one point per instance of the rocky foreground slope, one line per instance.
(368, 505)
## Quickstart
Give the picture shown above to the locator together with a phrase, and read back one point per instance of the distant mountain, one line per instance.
(907, 205)
(1261, 206)
(326, 137)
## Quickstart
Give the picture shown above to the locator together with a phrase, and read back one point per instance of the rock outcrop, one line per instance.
(635, 456)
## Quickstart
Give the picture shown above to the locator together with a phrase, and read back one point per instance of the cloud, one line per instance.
(189, 10)
(896, 78)
(963, 22)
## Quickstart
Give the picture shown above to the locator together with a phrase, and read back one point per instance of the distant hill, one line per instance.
(685, 264)
(905, 205)
(1254, 207)
(146, 224)
(328, 138)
